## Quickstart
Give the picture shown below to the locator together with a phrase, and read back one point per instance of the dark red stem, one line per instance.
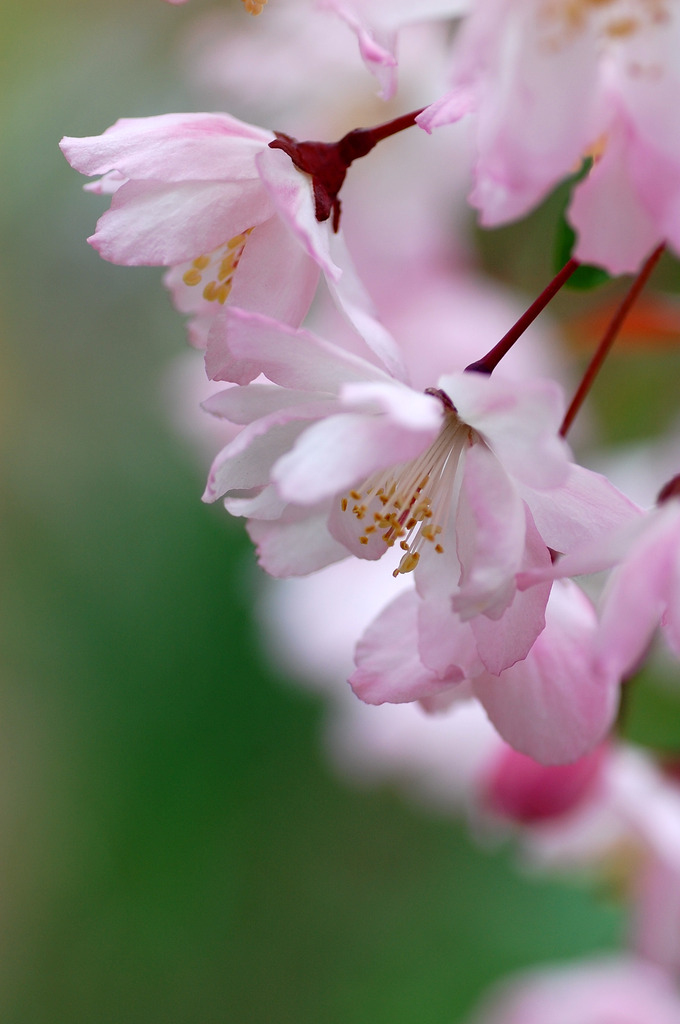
(361, 141)
(608, 339)
(490, 361)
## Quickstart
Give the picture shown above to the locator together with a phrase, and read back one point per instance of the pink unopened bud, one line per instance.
(520, 788)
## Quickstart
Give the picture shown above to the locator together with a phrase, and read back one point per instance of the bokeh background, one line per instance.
(173, 846)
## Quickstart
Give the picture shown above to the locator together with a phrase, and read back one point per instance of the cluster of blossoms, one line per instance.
(373, 419)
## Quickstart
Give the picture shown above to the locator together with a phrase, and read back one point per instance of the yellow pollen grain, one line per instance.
(192, 277)
(227, 266)
(622, 28)
(439, 549)
(222, 293)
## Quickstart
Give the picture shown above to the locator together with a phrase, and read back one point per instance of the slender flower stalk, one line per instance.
(609, 338)
(489, 362)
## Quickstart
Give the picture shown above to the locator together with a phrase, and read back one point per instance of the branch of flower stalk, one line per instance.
(490, 361)
(609, 338)
(327, 162)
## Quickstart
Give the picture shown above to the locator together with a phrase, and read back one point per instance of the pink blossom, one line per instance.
(339, 457)
(621, 990)
(204, 194)
(346, 420)
(235, 220)
(550, 84)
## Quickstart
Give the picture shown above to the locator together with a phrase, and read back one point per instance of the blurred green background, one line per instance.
(173, 847)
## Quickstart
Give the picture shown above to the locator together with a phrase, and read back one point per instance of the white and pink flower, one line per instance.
(235, 220)
(204, 194)
(467, 482)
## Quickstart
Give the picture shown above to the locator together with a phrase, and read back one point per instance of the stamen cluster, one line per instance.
(409, 505)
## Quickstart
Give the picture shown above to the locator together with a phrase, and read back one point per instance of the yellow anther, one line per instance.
(210, 291)
(227, 266)
(356, 495)
(343, 504)
(403, 545)
(201, 262)
(408, 563)
(192, 277)
(439, 549)
(222, 293)
(236, 241)
(363, 540)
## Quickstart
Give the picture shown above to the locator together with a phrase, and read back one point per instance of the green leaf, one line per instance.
(650, 713)
(587, 276)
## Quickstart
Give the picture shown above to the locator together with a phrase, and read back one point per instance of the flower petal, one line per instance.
(388, 666)
(554, 706)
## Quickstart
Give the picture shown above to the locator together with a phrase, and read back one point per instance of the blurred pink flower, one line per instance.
(522, 790)
(552, 83)
(626, 832)
(616, 990)
(377, 23)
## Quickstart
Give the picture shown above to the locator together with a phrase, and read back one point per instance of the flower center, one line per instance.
(613, 19)
(409, 504)
(217, 269)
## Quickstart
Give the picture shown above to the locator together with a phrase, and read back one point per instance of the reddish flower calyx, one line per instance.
(327, 162)
(324, 163)
(669, 490)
